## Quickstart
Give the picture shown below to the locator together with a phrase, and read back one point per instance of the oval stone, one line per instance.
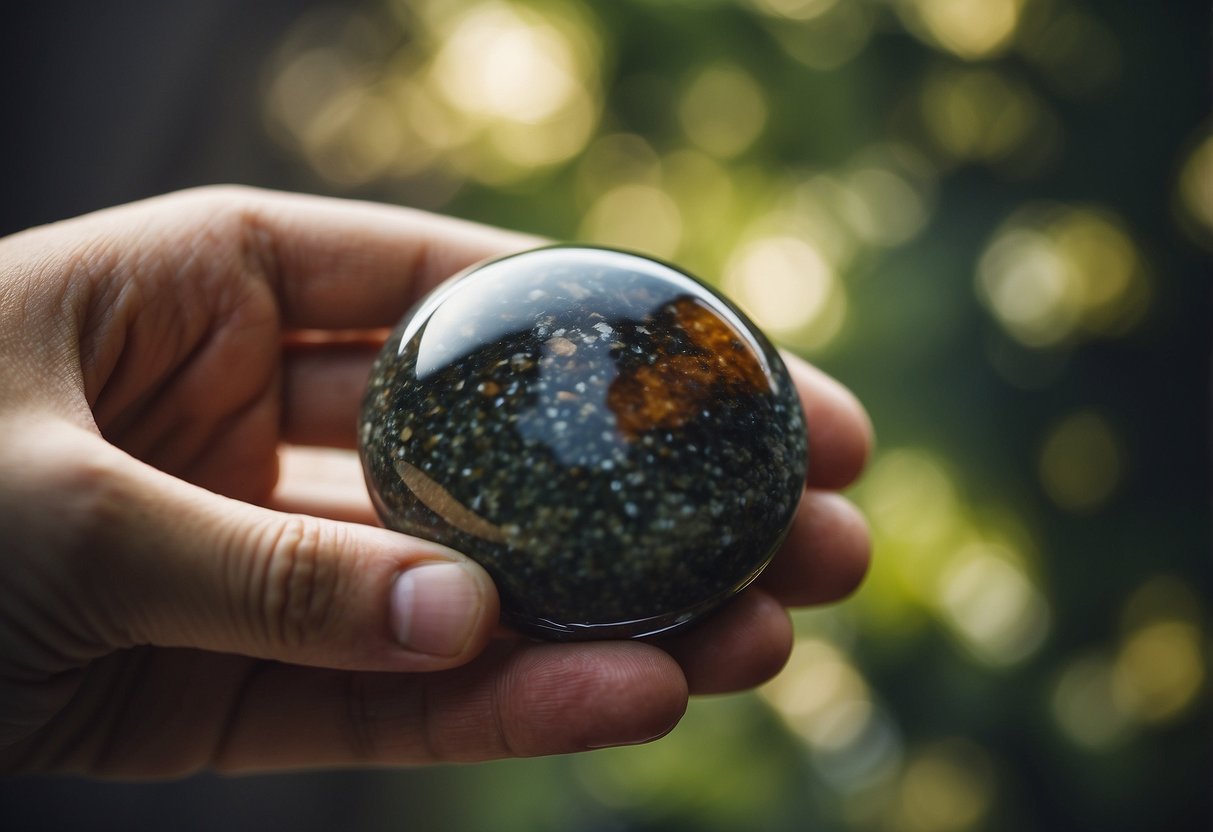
(617, 445)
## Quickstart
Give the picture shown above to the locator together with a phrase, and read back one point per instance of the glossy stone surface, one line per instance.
(616, 444)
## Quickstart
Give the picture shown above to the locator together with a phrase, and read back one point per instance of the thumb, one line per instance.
(175, 565)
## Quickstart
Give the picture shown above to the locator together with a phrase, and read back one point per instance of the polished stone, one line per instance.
(615, 443)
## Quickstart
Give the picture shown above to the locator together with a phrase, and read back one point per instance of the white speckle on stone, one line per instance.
(603, 327)
(559, 345)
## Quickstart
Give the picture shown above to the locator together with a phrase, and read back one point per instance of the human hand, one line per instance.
(171, 603)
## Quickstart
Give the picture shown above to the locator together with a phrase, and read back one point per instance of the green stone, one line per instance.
(618, 446)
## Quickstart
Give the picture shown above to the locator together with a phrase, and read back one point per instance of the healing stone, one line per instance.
(617, 445)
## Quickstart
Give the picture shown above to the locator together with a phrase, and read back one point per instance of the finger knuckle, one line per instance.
(301, 582)
(231, 219)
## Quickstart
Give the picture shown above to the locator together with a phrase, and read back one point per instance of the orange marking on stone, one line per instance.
(670, 392)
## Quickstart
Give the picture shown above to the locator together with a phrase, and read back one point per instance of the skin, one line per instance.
(185, 590)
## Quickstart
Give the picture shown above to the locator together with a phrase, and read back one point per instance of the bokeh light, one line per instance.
(788, 288)
(1159, 670)
(723, 110)
(1162, 667)
(1054, 274)
(969, 29)
(948, 787)
(821, 695)
(909, 495)
(1195, 191)
(826, 702)
(1085, 707)
(945, 562)
(1081, 462)
(885, 209)
(823, 35)
(709, 200)
(497, 64)
(1154, 673)
(991, 604)
(494, 91)
(796, 9)
(639, 217)
(977, 114)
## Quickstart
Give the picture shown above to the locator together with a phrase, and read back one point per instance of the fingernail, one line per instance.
(434, 608)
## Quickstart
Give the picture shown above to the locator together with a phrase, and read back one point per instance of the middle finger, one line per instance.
(322, 388)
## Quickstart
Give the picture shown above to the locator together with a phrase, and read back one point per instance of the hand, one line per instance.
(170, 602)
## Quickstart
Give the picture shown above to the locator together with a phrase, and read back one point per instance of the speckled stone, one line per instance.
(615, 443)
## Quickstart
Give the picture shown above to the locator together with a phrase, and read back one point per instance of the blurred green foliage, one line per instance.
(990, 219)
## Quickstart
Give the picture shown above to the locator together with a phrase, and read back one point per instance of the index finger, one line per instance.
(343, 264)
